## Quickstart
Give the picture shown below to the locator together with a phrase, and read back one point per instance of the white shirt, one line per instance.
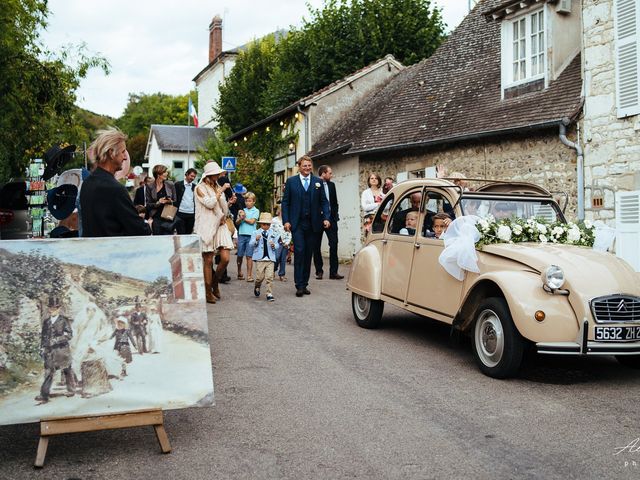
(187, 205)
(302, 177)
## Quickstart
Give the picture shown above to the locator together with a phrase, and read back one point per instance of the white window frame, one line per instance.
(508, 49)
(627, 57)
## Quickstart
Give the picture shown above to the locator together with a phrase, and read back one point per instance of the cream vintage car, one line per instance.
(557, 298)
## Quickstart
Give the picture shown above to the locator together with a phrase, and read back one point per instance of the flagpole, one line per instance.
(188, 135)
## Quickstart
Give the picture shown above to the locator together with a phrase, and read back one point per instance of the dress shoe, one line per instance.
(299, 292)
(337, 276)
(306, 291)
(319, 276)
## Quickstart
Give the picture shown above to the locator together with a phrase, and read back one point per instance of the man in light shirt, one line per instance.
(185, 199)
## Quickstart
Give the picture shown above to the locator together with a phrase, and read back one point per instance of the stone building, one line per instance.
(500, 99)
(611, 122)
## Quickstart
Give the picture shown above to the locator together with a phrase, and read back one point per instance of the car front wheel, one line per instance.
(367, 312)
(497, 345)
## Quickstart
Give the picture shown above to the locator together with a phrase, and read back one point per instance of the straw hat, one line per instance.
(211, 168)
(265, 217)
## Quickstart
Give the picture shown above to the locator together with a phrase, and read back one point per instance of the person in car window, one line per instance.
(410, 224)
(440, 223)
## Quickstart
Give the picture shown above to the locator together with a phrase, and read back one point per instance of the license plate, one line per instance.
(617, 334)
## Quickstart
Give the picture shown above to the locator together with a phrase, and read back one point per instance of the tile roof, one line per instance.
(174, 138)
(453, 95)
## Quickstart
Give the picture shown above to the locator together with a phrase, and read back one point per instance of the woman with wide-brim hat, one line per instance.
(210, 224)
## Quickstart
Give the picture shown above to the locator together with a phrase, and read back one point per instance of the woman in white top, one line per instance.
(210, 224)
(371, 198)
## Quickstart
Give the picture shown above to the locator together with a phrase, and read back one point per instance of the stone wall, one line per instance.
(537, 158)
(611, 145)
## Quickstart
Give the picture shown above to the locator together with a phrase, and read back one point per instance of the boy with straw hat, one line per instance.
(264, 254)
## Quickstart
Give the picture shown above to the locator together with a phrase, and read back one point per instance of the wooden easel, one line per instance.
(91, 423)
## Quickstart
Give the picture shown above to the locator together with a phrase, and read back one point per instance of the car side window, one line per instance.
(406, 214)
(437, 207)
(382, 215)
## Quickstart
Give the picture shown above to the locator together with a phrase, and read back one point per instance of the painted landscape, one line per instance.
(91, 326)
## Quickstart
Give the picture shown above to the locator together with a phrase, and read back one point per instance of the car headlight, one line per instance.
(553, 277)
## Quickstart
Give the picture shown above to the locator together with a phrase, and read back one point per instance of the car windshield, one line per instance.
(502, 208)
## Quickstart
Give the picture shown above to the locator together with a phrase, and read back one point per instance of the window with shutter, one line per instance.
(628, 227)
(626, 21)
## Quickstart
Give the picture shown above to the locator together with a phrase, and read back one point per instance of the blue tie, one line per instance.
(306, 183)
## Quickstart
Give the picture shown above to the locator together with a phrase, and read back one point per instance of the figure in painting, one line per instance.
(139, 329)
(122, 346)
(95, 379)
(156, 333)
(55, 351)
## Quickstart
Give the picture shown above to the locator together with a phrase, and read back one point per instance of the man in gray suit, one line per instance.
(55, 351)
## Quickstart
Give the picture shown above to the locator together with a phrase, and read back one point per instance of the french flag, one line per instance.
(193, 113)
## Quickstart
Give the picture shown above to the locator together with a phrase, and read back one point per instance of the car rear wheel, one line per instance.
(497, 345)
(631, 361)
(367, 312)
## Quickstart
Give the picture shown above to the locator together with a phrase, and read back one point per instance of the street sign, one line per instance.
(229, 164)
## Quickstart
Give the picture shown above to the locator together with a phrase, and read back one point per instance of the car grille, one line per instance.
(616, 308)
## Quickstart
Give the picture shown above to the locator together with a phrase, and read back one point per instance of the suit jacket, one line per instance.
(57, 334)
(107, 209)
(180, 193)
(333, 203)
(258, 245)
(292, 203)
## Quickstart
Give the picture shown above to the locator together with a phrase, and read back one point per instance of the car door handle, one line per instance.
(384, 241)
(417, 245)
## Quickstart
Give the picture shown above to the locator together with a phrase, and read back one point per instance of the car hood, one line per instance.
(585, 269)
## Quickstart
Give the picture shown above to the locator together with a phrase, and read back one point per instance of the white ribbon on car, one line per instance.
(459, 252)
(603, 237)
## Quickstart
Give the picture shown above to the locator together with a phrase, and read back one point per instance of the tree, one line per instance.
(341, 37)
(37, 91)
(238, 106)
(143, 110)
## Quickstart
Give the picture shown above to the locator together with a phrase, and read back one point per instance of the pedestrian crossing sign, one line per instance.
(229, 164)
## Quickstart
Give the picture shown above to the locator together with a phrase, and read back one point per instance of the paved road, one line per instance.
(302, 392)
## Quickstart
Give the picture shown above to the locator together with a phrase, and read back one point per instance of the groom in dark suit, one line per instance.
(325, 173)
(305, 212)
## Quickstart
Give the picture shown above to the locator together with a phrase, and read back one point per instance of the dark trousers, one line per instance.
(281, 259)
(49, 372)
(188, 219)
(332, 236)
(304, 239)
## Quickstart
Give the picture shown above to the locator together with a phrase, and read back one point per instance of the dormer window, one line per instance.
(523, 56)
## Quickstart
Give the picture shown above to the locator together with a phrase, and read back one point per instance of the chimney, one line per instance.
(215, 38)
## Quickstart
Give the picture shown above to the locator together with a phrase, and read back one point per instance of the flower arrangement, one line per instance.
(515, 230)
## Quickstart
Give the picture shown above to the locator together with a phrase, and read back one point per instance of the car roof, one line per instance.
(487, 187)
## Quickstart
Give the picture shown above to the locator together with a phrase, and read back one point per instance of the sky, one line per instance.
(116, 254)
(160, 45)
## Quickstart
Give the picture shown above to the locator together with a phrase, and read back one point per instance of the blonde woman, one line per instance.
(210, 224)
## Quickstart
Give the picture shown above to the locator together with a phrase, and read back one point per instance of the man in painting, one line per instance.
(55, 351)
(122, 346)
(139, 329)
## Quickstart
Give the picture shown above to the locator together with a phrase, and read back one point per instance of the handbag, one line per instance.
(169, 212)
(230, 225)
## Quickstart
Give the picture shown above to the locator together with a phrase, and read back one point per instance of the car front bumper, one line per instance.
(583, 346)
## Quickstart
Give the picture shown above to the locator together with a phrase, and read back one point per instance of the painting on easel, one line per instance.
(102, 326)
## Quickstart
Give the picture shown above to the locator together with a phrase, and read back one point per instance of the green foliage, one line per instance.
(160, 286)
(37, 91)
(95, 288)
(341, 37)
(238, 107)
(143, 110)
(34, 275)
